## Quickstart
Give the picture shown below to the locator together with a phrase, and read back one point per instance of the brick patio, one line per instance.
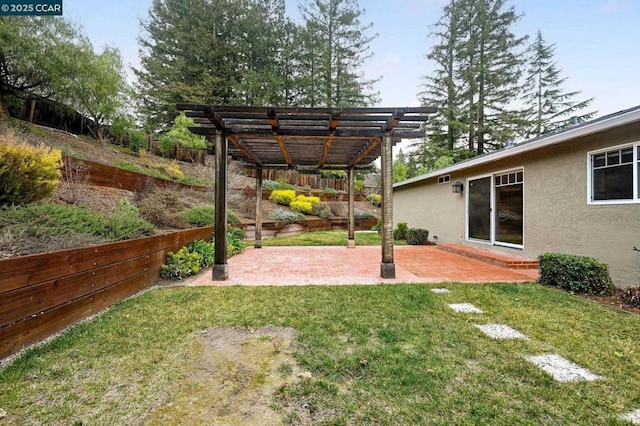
(342, 266)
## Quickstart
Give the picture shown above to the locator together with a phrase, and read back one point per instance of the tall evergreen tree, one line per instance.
(209, 51)
(492, 64)
(335, 44)
(549, 107)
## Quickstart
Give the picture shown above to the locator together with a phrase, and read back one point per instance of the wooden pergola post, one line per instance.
(258, 237)
(387, 267)
(220, 266)
(351, 241)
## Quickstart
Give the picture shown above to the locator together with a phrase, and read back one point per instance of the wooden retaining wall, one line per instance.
(42, 294)
(97, 174)
(277, 229)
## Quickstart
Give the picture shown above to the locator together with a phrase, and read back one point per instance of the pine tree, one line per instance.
(491, 70)
(335, 44)
(549, 107)
(209, 52)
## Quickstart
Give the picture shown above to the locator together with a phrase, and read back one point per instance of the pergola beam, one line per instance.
(284, 150)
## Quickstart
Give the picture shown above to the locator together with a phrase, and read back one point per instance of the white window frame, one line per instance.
(492, 176)
(636, 176)
(444, 179)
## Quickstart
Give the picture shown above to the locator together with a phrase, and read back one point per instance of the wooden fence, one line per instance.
(42, 294)
(198, 156)
(302, 179)
(97, 174)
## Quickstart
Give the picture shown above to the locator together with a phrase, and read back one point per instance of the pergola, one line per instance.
(305, 139)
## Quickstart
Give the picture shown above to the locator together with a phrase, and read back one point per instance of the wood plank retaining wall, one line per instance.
(44, 293)
(97, 174)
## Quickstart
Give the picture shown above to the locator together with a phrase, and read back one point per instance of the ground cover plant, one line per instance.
(327, 238)
(389, 354)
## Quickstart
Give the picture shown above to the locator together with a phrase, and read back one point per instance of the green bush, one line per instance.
(206, 216)
(578, 274)
(181, 264)
(27, 173)
(124, 223)
(200, 216)
(375, 199)
(181, 135)
(321, 210)
(283, 196)
(137, 140)
(284, 216)
(358, 186)
(236, 241)
(378, 226)
(205, 250)
(401, 231)
(417, 237)
(271, 185)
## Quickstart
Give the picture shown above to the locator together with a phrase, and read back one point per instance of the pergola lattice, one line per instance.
(306, 139)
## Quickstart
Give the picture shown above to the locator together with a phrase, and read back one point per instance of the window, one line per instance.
(444, 179)
(614, 174)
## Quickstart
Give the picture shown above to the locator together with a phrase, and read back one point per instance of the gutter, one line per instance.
(605, 123)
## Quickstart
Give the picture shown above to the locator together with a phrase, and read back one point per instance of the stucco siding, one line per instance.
(557, 216)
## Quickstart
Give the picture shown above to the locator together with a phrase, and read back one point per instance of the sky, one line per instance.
(597, 42)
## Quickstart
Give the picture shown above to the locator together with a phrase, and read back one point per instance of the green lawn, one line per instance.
(387, 354)
(327, 238)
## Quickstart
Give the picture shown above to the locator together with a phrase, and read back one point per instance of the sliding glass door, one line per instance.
(495, 209)
(480, 209)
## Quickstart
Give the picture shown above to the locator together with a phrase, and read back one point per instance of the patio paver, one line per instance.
(360, 265)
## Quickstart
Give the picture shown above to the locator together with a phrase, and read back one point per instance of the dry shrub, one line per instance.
(631, 297)
(162, 208)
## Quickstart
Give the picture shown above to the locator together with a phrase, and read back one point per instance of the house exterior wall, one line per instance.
(557, 217)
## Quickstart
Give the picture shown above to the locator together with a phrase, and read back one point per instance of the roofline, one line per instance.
(598, 125)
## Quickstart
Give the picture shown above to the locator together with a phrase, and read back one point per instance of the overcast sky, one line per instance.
(598, 42)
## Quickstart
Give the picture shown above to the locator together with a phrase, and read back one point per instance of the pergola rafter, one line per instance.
(309, 139)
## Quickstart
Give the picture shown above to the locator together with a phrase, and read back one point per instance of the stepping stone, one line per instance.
(500, 331)
(467, 308)
(562, 369)
(632, 417)
(440, 290)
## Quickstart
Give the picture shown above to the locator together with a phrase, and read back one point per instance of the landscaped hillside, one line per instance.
(77, 213)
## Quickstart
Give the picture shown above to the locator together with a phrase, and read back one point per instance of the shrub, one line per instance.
(400, 233)
(361, 214)
(200, 216)
(27, 173)
(161, 208)
(321, 210)
(205, 250)
(417, 237)
(375, 199)
(137, 140)
(271, 185)
(284, 216)
(206, 216)
(172, 171)
(181, 264)
(579, 274)
(631, 297)
(358, 186)
(283, 196)
(124, 223)
(236, 241)
(304, 204)
(330, 191)
(180, 135)
(378, 226)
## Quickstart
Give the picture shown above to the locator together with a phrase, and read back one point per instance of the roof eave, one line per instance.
(615, 120)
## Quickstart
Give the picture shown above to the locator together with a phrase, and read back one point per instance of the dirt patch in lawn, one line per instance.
(230, 378)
